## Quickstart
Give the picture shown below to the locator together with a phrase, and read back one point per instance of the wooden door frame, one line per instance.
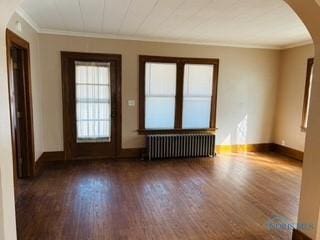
(13, 39)
(65, 55)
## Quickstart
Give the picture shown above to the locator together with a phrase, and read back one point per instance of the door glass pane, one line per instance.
(197, 93)
(160, 92)
(93, 101)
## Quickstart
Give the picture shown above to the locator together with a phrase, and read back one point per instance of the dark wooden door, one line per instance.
(19, 123)
(90, 93)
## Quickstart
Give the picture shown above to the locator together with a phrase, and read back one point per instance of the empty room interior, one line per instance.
(160, 119)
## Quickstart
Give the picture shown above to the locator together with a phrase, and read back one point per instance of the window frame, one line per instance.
(180, 62)
(307, 93)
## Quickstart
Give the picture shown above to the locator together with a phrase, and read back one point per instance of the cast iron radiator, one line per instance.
(180, 145)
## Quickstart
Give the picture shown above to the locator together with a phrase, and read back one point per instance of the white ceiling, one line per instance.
(255, 23)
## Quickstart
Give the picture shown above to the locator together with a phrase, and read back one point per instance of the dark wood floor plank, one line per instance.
(229, 197)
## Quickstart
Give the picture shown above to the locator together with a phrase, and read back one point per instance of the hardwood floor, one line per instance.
(229, 197)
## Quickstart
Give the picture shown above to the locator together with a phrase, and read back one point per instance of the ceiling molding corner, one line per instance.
(28, 19)
(300, 44)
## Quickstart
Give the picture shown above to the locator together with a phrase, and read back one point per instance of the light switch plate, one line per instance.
(131, 103)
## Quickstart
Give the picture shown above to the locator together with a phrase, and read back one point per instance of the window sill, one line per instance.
(177, 131)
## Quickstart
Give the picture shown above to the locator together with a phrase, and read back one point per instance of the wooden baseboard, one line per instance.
(298, 235)
(52, 156)
(286, 151)
(260, 147)
(48, 158)
(126, 153)
(135, 153)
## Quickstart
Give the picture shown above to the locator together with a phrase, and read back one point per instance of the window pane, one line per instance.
(198, 80)
(82, 129)
(104, 128)
(104, 92)
(104, 111)
(93, 111)
(160, 112)
(160, 92)
(161, 79)
(104, 76)
(81, 73)
(82, 111)
(93, 101)
(196, 112)
(197, 95)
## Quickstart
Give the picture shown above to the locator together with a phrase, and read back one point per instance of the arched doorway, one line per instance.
(307, 10)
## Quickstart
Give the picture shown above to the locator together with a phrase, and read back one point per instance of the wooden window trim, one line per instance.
(306, 94)
(143, 59)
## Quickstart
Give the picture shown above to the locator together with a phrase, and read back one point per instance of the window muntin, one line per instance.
(93, 101)
(197, 95)
(160, 95)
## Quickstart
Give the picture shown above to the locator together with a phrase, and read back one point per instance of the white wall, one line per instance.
(7, 213)
(246, 89)
(7, 219)
(30, 35)
(293, 68)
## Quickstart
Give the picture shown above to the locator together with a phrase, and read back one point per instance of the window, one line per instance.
(177, 94)
(93, 101)
(197, 94)
(160, 94)
(307, 93)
